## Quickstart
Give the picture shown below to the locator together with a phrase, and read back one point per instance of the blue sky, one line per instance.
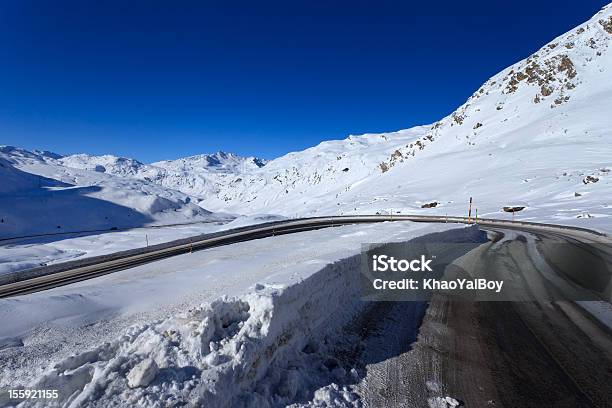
(160, 80)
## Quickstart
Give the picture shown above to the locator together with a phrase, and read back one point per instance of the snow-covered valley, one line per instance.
(536, 135)
(41, 196)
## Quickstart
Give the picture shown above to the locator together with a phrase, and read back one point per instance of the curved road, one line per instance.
(46, 277)
(531, 353)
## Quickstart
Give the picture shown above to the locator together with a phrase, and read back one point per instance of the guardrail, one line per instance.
(46, 277)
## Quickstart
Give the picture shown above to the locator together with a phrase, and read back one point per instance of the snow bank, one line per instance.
(279, 344)
(266, 348)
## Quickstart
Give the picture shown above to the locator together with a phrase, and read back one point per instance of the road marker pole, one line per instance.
(470, 212)
(147, 239)
(476, 216)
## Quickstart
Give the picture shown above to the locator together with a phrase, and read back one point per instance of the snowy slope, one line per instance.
(40, 195)
(14, 180)
(530, 135)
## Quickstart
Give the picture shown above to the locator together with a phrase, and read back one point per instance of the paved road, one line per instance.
(499, 354)
(37, 279)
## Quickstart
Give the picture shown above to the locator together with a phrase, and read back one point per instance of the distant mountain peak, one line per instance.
(220, 159)
(17, 152)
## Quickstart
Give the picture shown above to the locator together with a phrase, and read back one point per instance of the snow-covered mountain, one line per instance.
(199, 176)
(538, 133)
(202, 175)
(220, 162)
(39, 194)
(117, 166)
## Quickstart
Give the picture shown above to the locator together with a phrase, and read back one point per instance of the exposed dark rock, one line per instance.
(567, 65)
(458, 118)
(607, 24)
(546, 90)
(430, 205)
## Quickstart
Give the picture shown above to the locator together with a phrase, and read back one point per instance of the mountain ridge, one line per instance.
(535, 133)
